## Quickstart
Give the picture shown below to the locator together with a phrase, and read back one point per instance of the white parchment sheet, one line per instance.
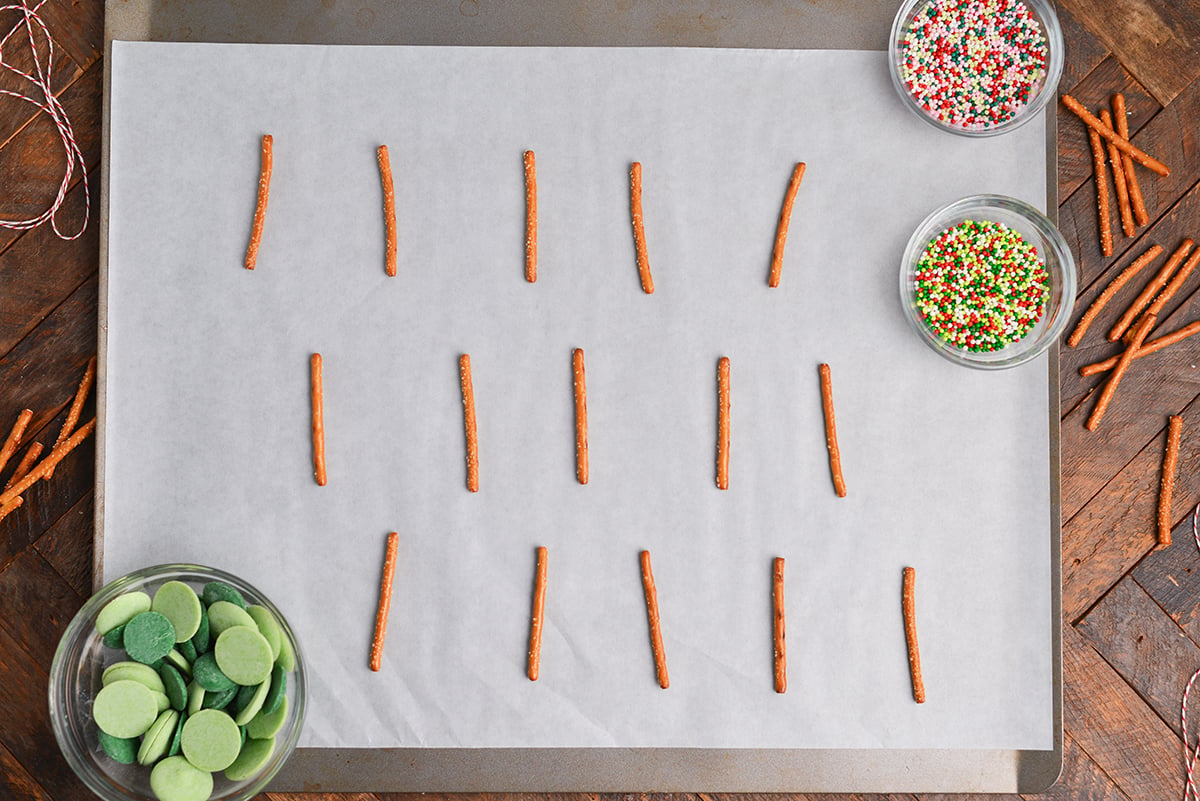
(208, 453)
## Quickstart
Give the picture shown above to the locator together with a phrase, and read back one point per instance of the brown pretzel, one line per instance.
(85, 386)
(389, 209)
(1109, 291)
(318, 418)
(530, 217)
(1123, 144)
(778, 626)
(909, 606)
(537, 616)
(14, 437)
(1167, 487)
(656, 641)
(639, 230)
(1101, 175)
(831, 443)
(1118, 372)
(260, 209)
(1135, 191)
(385, 601)
(1152, 346)
(1114, 158)
(723, 423)
(1151, 289)
(25, 465)
(468, 399)
(581, 427)
(55, 456)
(785, 218)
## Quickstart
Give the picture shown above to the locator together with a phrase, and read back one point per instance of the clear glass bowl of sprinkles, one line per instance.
(976, 67)
(988, 282)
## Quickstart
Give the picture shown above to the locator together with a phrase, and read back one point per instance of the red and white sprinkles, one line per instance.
(973, 64)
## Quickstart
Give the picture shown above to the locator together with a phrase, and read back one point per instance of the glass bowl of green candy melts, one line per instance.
(988, 282)
(177, 683)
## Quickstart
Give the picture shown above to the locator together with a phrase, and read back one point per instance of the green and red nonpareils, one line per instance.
(980, 286)
(973, 64)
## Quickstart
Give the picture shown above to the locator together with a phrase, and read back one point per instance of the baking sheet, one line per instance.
(207, 456)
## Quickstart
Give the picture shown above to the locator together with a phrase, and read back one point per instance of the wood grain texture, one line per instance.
(1081, 778)
(16, 784)
(63, 545)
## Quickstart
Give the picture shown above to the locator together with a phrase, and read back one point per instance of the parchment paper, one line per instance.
(208, 455)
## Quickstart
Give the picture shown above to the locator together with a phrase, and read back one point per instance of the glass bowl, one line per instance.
(1038, 231)
(1042, 11)
(75, 678)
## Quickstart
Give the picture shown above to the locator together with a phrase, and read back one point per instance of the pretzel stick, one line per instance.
(778, 627)
(85, 386)
(1114, 158)
(468, 399)
(656, 643)
(1106, 245)
(1118, 372)
(385, 601)
(639, 231)
(10, 507)
(260, 210)
(530, 217)
(1177, 282)
(1109, 291)
(909, 605)
(723, 423)
(835, 456)
(318, 419)
(1167, 488)
(535, 619)
(581, 444)
(14, 437)
(56, 456)
(1152, 346)
(1123, 144)
(785, 218)
(389, 208)
(1135, 191)
(1156, 283)
(25, 465)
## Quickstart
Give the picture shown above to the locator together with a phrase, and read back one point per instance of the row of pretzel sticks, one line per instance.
(29, 470)
(531, 216)
(1121, 154)
(654, 619)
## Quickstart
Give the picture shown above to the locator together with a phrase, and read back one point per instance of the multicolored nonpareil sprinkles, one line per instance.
(980, 286)
(973, 64)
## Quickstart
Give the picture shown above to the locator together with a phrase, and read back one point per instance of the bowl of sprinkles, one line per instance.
(976, 67)
(988, 281)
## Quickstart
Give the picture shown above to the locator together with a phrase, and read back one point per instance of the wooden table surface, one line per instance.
(1131, 614)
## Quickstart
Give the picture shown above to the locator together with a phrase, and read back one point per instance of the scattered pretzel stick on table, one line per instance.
(1147, 294)
(11, 507)
(48, 463)
(1111, 290)
(468, 400)
(909, 608)
(581, 428)
(1166, 488)
(1119, 182)
(260, 209)
(537, 616)
(530, 217)
(1177, 282)
(785, 218)
(318, 417)
(1101, 179)
(779, 625)
(14, 437)
(723, 423)
(85, 386)
(25, 465)
(1123, 144)
(1152, 346)
(1118, 372)
(831, 443)
(385, 601)
(389, 210)
(1135, 190)
(639, 229)
(656, 641)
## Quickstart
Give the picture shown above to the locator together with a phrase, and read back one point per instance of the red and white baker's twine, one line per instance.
(43, 98)
(1191, 755)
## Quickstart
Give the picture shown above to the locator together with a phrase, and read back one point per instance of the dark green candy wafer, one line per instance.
(245, 693)
(115, 637)
(220, 591)
(174, 686)
(203, 638)
(278, 690)
(119, 749)
(148, 637)
(174, 749)
(206, 673)
(219, 700)
(187, 650)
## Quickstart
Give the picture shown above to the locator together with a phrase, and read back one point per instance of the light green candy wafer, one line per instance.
(133, 671)
(267, 627)
(178, 603)
(253, 706)
(253, 758)
(195, 700)
(211, 740)
(161, 700)
(287, 656)
(224, 615)
(125, 709)
(176, 779)
(268, 725)
(244, 655)
(158, 738)
(121, 610)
